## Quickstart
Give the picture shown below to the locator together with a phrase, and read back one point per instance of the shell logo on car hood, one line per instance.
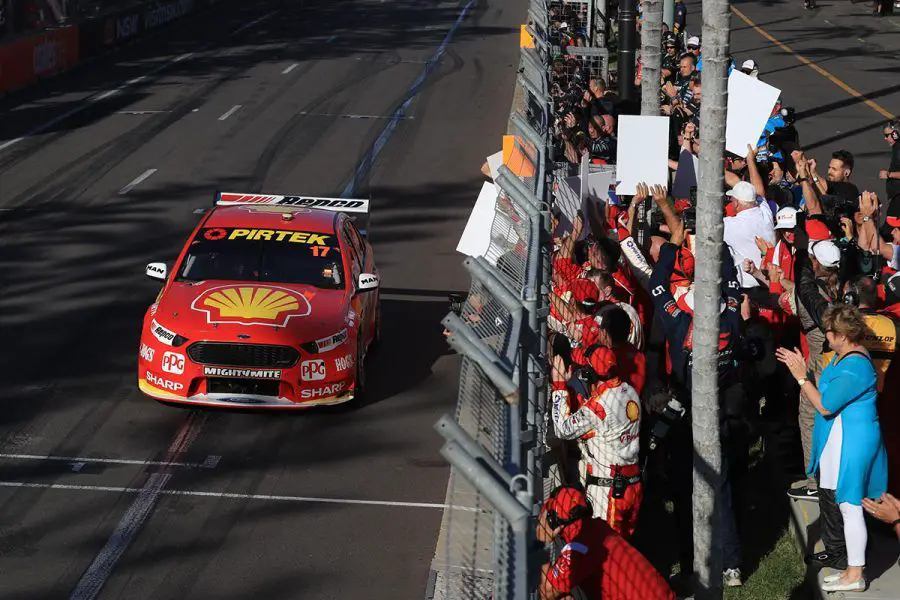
(251, 305)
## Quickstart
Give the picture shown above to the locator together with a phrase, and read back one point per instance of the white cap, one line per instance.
(743, 192)
(826, 252)
(750, 65)
(693, 41)
(786, 218)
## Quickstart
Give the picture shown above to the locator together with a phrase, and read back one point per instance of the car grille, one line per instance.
(218, 385)
(243, 355)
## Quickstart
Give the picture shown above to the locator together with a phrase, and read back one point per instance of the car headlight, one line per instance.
(166, 336)
(326, 343)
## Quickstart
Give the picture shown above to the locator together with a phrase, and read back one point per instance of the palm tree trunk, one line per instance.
(651, 40)
(710, 229)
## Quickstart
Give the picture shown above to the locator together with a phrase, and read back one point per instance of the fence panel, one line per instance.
(494, 493)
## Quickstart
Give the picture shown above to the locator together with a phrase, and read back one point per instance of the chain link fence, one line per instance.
(494, 438)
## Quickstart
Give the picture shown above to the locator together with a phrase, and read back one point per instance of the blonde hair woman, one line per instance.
(847, 448)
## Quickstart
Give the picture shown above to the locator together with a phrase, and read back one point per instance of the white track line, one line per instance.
(230, 112)
(106, 461)
(290, 68)
(137, 181)
(349, 116)
(254, 22)
(234, 496)
(93, 580)
(91, 100)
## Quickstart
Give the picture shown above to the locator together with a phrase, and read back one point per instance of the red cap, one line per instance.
(817, 230)
(603, 362)
(585, 291)
(682, 205)
(684, 262)
(893, 221)
(565, 500)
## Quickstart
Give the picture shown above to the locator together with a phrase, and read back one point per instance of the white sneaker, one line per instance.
(732, 578)
(854, 586)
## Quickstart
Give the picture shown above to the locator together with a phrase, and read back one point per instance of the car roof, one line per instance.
(273, 217)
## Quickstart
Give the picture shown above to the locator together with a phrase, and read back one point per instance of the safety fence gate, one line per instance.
(494, 441)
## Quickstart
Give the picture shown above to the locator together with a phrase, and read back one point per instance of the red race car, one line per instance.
(273, 302)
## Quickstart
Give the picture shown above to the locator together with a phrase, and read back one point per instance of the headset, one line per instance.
(578, 513)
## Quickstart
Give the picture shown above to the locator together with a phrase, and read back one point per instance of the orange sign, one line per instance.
(27, 60)
(251, 305)
(515, 159)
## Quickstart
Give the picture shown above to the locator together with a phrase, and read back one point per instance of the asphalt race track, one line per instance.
(101, 171)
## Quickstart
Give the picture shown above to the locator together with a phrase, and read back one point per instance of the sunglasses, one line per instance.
(693, 47)
(888, 134)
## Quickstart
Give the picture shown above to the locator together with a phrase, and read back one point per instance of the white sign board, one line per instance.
(476, 237)
(643, 153)
(494, 161)
(750, 104)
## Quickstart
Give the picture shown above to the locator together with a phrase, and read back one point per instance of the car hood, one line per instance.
(267, 313)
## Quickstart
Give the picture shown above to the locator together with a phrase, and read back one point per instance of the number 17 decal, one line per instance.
(320, 250)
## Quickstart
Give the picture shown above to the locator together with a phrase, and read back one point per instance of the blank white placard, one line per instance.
(750, 104)
(494, 161)
(643, 153)
(476, 237)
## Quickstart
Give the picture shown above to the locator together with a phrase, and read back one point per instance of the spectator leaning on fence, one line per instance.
(594, 559)
(607, 426)
(848, 453)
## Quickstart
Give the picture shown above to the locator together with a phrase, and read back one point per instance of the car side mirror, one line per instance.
(157, 270)
(367, 282)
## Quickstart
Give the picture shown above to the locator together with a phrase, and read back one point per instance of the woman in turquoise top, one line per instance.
(845, 410)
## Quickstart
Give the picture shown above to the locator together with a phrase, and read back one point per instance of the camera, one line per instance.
(837, 206)
(456, 302)
(673, 413)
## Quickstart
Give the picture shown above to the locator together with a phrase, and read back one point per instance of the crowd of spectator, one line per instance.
(809, 306)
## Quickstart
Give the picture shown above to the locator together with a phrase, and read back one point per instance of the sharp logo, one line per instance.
(343, 363)
(162, 383)
(172, 362)
(243, 373)
(322, 392)
(147, 352)
(312, 370)
(161, 333)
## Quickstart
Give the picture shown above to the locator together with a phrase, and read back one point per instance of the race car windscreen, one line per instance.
(271, 255)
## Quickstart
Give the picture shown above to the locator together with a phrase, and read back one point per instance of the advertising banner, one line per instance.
(104, 33)
(27, 60)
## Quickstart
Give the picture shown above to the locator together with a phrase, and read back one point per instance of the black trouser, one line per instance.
(832, 522)
(681, 477)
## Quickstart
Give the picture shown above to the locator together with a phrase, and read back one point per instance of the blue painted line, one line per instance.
(398, 115)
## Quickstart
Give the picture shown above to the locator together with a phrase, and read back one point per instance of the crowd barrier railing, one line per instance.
(494, 440)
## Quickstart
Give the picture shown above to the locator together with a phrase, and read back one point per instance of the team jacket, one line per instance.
(678, 324)
(607, 426)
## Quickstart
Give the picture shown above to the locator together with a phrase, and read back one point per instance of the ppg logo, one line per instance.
(172, 362)
(312, 370)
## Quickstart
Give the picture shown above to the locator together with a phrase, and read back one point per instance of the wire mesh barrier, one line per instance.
(504, 459)
(492, 440)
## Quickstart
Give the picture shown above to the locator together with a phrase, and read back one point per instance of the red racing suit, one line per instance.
(607, 427)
